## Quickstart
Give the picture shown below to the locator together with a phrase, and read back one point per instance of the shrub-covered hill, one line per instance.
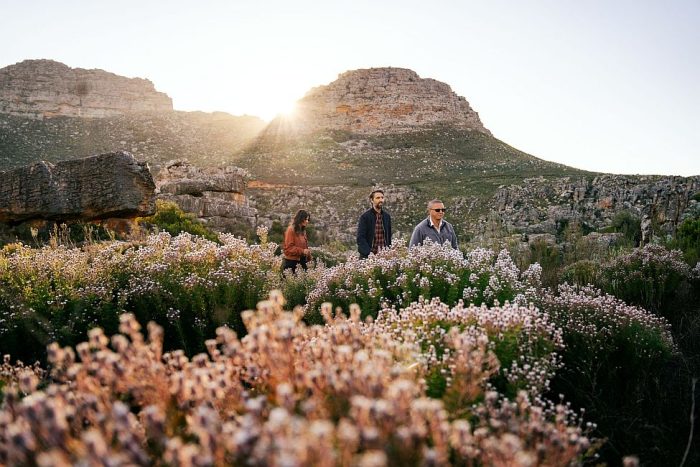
(203, 138)
(463, 168)
(427, 157)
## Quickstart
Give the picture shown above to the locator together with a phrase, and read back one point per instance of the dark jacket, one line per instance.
(365, 231)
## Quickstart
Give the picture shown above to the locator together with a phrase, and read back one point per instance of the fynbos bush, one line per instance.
(613, 356)
(188, 284)
(648, 276)
(400, 275)
(349, 393)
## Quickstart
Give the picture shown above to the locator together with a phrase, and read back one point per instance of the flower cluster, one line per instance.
(57, 293)
(603, 321)
(399, 275)
(647, 276)
(23, 376)
(522, 340)
(347, 393)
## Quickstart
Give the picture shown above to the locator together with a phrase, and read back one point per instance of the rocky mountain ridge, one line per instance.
(541, 205)
(205, 139)
(381, 127)
(46, 88)
(379, 100)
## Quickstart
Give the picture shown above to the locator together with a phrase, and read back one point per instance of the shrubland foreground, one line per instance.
(422, 356)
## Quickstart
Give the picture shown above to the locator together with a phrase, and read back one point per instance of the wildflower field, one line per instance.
(187, 351)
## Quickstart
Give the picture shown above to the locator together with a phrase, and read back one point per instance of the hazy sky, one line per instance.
(610, 86)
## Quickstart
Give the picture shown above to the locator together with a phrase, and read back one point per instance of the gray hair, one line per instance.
(433, 202)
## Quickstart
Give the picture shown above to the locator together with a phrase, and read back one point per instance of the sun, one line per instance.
(287, 110)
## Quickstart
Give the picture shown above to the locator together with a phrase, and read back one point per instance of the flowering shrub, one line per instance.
(349, 393)
(583, 272)
(19, 375)
(648, 276)
(612, 358)
(521, 341)
(186, 283)
(401, 275)
(592, 320)
(169, 217)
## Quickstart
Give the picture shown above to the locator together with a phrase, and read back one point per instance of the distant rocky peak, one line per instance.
(384, 100)
(46, 88)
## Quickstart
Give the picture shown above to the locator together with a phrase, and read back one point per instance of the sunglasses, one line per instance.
(440, 209)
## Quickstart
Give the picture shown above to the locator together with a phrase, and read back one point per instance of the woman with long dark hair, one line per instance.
(295, 247)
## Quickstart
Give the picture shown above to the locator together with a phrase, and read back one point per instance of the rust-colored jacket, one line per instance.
(294, 244)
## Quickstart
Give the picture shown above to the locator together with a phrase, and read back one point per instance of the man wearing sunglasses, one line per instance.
(435, 227)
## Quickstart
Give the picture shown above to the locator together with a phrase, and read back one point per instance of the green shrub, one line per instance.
(187, 284)
(296, 287)
(276, 232)
(582, 272)
(629, 225)
(613, 358)
(649, 277)
(550, 258)
(170, 218)
(687, 240)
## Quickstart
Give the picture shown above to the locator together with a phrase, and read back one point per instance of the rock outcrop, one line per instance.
(214, 195)
(45, 88)
(112, 185)
(380, 100)
(542, 205)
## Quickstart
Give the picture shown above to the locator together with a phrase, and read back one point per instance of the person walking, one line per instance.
(434, 227)
(374, 226)
(295, 247)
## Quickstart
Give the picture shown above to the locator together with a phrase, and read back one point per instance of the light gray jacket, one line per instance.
(424, 230)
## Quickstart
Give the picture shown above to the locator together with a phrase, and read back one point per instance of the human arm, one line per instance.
(416, 237)
(362, 246)
(387, 229)
(453, 241)
(291, 246)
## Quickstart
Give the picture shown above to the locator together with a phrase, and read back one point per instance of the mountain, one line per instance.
(384, 100)
(378, 127)
(46, 88)
(49, 111)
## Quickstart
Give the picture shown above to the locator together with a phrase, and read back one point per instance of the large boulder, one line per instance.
(112, 185)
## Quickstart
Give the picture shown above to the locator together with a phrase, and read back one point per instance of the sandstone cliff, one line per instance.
(45, 88)
(380, 100)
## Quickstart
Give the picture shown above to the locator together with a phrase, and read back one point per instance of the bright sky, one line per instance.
(610, 86)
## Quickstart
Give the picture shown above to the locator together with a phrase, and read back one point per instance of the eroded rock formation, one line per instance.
(377, 100)
(215, 195)
(542, 205)
(112, 185)
(46, 88)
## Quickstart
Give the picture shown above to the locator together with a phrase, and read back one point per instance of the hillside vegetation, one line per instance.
(464, 168)
(427, 157)
(203, 138)
(466, 358)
